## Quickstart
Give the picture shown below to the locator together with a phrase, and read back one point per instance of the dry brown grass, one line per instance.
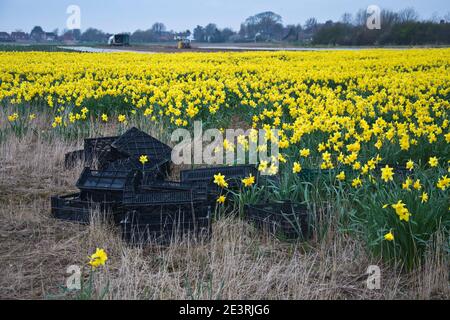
(236, 263)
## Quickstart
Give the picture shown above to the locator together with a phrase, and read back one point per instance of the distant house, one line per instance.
(5, 37)
(68, 38)
(50, 36)
(20, 36)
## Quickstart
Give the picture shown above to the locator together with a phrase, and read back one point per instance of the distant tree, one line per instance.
(93, 35)
(408, 15)
(389, 18)
(293, 32)
(37, 29)
(76, 34)
(360, 18)
(199, 34)
(347, 18)
(397, 28)
(211, 32)
(227, 33)
(184, 34)
(435, 18)
(158, 28)
(37, 33)
(311, 25)
(141, 36)
(265, 25)
(334, 34)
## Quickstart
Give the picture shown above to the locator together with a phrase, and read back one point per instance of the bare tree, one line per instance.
(311, 24)
(408, 15)
(435, 17)
(347, 18)
(389, 18)
(447, 17)
(158, 28)
(360, 18)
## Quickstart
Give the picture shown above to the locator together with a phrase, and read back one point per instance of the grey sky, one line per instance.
(129, 15)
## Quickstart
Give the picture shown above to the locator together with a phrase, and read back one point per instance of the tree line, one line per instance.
(397, 28)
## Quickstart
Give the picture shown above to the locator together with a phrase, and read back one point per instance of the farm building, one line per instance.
(5, 37)
(20, 36)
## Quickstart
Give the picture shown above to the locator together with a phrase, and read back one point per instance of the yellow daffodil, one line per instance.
(387, 173)
(341, 176)
(443, 183)
(98, 258)
(219, 179)
(410, 165)
(13, 117)
(143, 159)
(121, 118)
(221, 199)
(424, 197)
(304, 153)
(401, 210)
(249, 181)
(417, 185)
(433, 162)
(389, 236)
(356, 182)
(407, 184)
(263, 166)
(296, 167)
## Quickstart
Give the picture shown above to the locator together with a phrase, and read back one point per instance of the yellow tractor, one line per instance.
(183, 43)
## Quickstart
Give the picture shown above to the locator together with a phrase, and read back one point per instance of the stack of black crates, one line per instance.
(133, 194)
(149, 208)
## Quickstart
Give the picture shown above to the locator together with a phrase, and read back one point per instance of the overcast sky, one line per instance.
(129, 15)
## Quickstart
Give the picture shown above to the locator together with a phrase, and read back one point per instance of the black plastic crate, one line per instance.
(285, 220)
(201, 190)
(163, 223)
(155, 169)
(107, 185)
(152, 197)
(98, 148)
(167, 185)
(135, 143)
(71, 159)
(74, 208)
(164, 185)
(233, 175)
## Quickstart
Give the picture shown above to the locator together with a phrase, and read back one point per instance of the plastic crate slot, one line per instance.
(162, 197)
(76, 209)
(207, 174)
